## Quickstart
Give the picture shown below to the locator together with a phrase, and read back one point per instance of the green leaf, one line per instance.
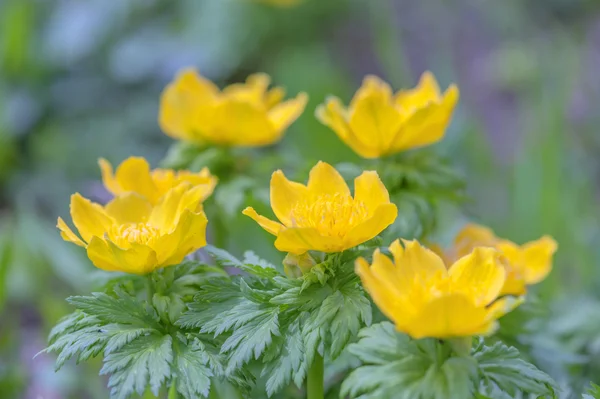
(191, 372)
(145, 360)
(231, 195)
(223, 258)
(395, 366)
(593, 392)
(501, 367)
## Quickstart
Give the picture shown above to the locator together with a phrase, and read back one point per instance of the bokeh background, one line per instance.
(81, 79)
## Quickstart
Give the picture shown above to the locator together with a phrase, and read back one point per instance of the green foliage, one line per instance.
(396, 366)
(593, 392)
(139, 343)
(280, 322)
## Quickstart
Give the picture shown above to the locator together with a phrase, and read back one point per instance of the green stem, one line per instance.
(149, 287)
(315, 387)
(173, 390)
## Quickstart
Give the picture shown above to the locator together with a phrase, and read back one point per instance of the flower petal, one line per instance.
(415, 262)
(448, 316)
(129, 208)
(538, 258)
(138, 259)
(299, 240)
(267, 224)
(369, 189)
(285, 194)
(285, 113)
(426, 91)
(473, 235)
(383, 216)
(165, 215)
(324, 179)
(189, 235)
(133, 174)
(479, 275)
(67, 234)
(373, 116)
(108, 178)
(334, 115)
(252, 91)
(89, 218)
(242, 123)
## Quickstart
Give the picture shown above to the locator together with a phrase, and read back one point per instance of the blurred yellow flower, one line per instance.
(134, 175)
(323, 215)
(525, 264)
(193, 109)
(425, 299)
(379, 123)
(132, 235)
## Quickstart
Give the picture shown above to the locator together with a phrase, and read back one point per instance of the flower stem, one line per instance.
(315, 386)
(149, 287)
(173, 390)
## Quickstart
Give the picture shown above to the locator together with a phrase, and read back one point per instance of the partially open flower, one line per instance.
(379, 123)
(525, 264)
(193, 109)
(424, 298)
(132, 235)
(323, 215)
(134, 175)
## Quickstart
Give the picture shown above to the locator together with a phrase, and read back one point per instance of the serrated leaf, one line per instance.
(501, 365)
(223, 258)
(191, 372)
(145, 360)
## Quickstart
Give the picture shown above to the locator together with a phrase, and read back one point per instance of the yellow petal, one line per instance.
(138, 259)
(187, 106)
(241, 123)
(133, 175)
(448, 316)
(415, 262)
(89, 218)
(538, 259)
(426, 91)
(285, 113)
(478, 276)
(369, 190)
(274, 97)
(473, 235)
(514, 284)
(299, 240)
(267, 224)
(108, 178)
(129, 208)
(383, 216)
(285, 194)
(165, 215)
(427, 125)
(373, 116)
(502, 306)
(189, 235)
(324, 179)
(67, 234)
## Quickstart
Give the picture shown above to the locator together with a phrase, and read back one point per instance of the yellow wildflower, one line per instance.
(134, 175)
(323, 215)
(379, 123)
(132, 235)
(193, 109)
(525, 264)
(425, 299)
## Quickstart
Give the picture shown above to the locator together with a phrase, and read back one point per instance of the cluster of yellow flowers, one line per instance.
(156, 217)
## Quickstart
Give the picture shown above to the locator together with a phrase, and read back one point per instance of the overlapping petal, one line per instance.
(322, 215)
(242, 114)
(425, 299)
(378, 123)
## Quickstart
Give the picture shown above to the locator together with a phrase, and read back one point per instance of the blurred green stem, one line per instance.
(149, 287)
(173, 390)
(315, 385)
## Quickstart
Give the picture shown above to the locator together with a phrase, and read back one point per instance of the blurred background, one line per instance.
(81, 80)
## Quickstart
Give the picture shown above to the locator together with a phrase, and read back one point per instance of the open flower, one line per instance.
(379, 123)
(134, 175)
(193, 109)
(426, 299)
(323, 215)
(132, 235)
(525, 264)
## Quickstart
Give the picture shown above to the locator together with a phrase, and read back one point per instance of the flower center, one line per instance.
(333, 215)
(139, 233)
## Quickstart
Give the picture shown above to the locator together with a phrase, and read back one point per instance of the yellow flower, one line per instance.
(525, 264)
(379, 123)
(323, 215)
(134, 175)
(425, 299)
(193, 109)
(132, 235)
